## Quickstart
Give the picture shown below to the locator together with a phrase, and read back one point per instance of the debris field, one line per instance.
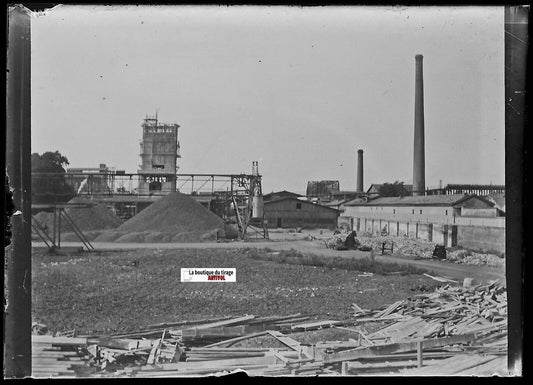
(453, 330)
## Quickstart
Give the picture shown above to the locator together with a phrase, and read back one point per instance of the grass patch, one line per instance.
(366, 264)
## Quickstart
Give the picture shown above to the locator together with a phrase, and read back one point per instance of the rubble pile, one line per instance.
(402, 245)
(416, 248)
(473, 258)
(429, 333)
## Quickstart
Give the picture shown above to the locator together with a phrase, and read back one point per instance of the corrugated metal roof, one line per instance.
(426, 200)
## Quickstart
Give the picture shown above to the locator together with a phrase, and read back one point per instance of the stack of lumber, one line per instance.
(57, 356)
(454, 330)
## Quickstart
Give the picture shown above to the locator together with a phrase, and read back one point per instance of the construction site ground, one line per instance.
(119, 289)
(300, 241)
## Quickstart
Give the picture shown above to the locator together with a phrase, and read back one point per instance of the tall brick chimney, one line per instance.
(359, 171)
(419, 178)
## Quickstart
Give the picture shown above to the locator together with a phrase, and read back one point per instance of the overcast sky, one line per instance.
(297, 89)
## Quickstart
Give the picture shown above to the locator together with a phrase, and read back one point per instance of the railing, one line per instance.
(128, 184)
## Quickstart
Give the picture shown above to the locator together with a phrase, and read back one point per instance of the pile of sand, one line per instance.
(90, 220)
(174, 218)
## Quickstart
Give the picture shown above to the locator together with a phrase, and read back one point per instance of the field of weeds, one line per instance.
(116, 291)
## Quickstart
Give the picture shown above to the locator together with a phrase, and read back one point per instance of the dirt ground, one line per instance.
(310, 242)
(103, 292)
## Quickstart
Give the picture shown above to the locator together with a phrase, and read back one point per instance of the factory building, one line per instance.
(159, 151)
(443, 209)
(451, 220)
(293, 212)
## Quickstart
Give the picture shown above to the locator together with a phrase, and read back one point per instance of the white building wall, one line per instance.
(422, 214)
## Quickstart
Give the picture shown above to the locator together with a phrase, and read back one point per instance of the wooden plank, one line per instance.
(496, 367)
(231, 321)
(274, 319)
(237, 339)
(377, 350)
(316, 325)
(65, 341)
(208, 357)
(444, 309)
(198, 371)
(123, 343)
(206, 349)
(295, 345)
(221, 331)
(389, 309)
(454, 365)
(179, 323)
(264, 360)
(406, 356)
(404, 326)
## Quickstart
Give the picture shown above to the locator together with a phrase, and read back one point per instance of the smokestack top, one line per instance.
(419, 57)
(360, 151)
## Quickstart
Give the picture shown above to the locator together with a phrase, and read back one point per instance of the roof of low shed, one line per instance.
(299, 201)
(426, 200)
(284, 192)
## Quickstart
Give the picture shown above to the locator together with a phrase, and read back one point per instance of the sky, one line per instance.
(298, 89)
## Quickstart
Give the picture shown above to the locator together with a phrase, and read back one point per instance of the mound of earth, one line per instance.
(174, 218)
(87, 219)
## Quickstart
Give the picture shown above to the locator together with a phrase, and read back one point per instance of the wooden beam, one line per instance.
(377, 350)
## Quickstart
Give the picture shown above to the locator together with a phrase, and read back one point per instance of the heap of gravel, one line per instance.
(94, 217)
(175, 217)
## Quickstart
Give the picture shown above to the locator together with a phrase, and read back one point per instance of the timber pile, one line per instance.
(454, 330)
(57, 356)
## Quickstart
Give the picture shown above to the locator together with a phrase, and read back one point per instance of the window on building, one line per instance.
(446, 212)
(298, 206)
(394, 211)
(420, 211)
(413, 211)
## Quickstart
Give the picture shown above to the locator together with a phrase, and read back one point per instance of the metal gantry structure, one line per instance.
(227, 195)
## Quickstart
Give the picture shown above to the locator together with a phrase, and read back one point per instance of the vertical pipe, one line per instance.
(359, 171)
(59, 229)
(17, 263)
(419, 180)
(419, 354)
(55, 225)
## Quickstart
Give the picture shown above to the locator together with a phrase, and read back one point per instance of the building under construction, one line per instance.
(159, 151)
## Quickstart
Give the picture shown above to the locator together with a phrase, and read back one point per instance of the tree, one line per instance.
(48, 162)
(52, 187)
(395, 189)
